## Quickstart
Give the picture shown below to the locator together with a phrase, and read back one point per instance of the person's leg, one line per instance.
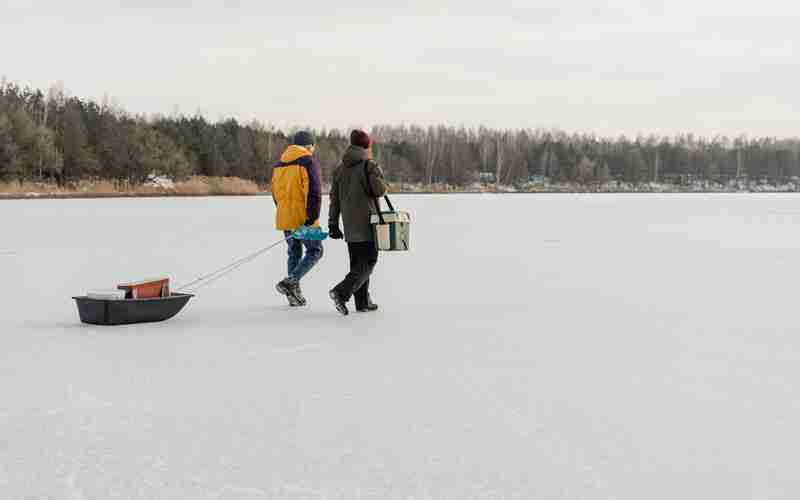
(295, 252)
(353, 280)
(361, 294)
(288, 286)
(314, 253)
(341, 293)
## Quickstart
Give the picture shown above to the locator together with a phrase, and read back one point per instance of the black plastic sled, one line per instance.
(130, 311)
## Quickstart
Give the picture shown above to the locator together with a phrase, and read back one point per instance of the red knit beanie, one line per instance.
(361, 139)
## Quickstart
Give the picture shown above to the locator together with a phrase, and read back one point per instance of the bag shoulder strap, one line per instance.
(372, 196)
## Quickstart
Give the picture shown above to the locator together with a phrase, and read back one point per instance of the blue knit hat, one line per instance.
(304, 138)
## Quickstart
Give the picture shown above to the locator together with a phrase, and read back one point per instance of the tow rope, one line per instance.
(209, 278)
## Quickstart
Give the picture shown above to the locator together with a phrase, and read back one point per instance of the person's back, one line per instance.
(297, 190)
(352, 193)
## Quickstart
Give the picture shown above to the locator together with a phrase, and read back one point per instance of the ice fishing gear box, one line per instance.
(391, 230)
(106, 295)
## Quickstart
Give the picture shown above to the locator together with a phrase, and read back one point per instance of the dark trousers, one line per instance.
(363, 258)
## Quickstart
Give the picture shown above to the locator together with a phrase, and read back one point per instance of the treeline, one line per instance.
(63, 139)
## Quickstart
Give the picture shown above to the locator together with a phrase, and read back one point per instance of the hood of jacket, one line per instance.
(355, 155)
(294, 153)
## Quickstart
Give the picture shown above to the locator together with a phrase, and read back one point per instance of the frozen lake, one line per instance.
(531, 346)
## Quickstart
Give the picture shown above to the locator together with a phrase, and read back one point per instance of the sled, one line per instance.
(155, 300)
(130, 311)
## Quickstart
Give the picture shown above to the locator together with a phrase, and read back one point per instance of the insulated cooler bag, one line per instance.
(391, 230)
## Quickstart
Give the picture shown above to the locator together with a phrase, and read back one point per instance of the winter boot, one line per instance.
(289, 289)
(365, 305)
(369, 307)
(340, 304)
(299, 294)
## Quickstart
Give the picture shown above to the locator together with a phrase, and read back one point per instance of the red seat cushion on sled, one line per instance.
(147, 289)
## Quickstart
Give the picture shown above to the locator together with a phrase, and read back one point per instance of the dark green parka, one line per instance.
(349, 196)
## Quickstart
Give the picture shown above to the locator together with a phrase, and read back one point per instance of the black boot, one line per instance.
(289, 289)
(298, 293)
(368, 307)
(340, 304)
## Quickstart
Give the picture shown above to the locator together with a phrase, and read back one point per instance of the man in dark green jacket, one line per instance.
(351, 199)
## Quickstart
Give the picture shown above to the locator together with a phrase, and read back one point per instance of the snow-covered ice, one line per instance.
(531, 346)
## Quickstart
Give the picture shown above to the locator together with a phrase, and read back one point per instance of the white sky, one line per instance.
(703, 66)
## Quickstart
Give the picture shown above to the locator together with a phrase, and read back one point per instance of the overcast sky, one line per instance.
(703, 66)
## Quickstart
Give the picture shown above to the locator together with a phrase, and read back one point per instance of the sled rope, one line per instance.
(209, 278)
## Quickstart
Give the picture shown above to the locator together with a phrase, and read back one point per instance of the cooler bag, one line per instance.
(391, 230)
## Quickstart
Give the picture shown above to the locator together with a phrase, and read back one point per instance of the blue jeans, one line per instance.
(299, 266)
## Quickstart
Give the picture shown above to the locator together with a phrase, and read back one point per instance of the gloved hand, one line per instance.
(335, 233)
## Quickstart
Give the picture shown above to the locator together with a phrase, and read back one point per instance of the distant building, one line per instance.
(681, 179)
(487, 177)
(537, 180)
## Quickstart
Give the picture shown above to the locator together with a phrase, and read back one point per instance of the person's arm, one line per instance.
(314, 201)
(334, 210)
(272, 185)
(376, 180)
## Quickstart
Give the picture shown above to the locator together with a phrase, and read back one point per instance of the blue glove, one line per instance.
(310, 233)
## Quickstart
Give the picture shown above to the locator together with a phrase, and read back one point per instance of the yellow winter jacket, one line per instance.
(296, 189)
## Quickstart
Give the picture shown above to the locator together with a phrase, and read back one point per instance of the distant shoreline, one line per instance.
(92, 196)
(200, 186)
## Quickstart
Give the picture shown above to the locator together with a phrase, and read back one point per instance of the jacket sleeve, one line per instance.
(272, 184)
(335, 209)
(314, 201)
(377, 181)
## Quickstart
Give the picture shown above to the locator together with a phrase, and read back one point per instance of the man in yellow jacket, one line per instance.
(297, 190)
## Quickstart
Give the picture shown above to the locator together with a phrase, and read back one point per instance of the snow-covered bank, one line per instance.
(160, 191)
(609, 187)
(576, 346)
(154, 187)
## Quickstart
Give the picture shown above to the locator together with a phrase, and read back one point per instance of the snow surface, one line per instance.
(531, 346)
